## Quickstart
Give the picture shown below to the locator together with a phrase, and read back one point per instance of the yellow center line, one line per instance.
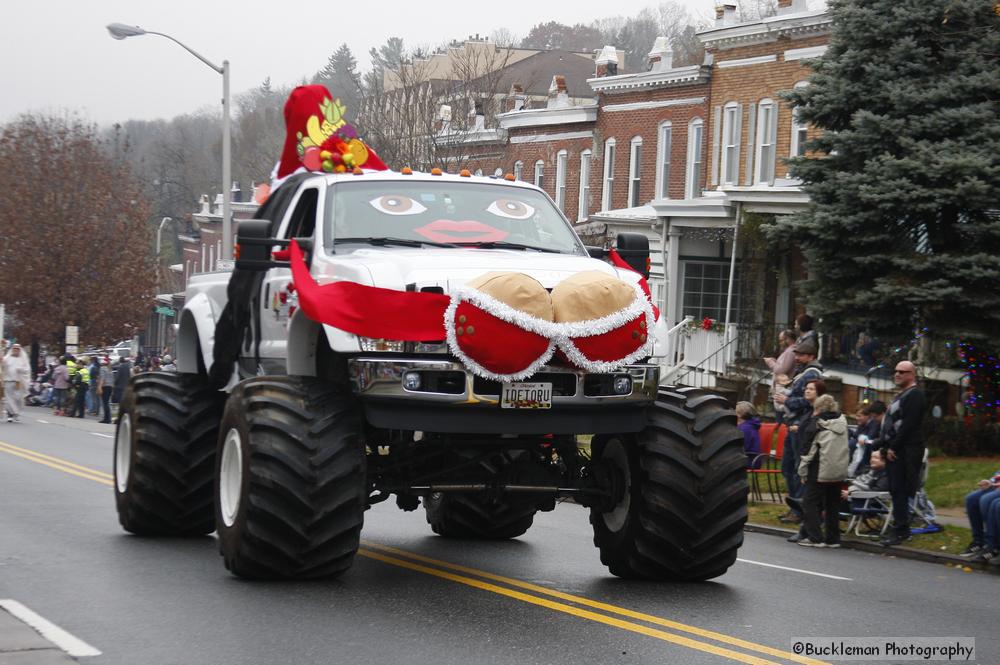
(58, 464)
(107, 479)
(596, 604)
(575, 611)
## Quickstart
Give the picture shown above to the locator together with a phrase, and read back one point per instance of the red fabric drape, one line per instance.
(369, 311)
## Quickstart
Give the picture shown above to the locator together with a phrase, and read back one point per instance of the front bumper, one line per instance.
(453, 400)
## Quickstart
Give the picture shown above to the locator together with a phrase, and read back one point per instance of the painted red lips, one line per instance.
(448, 230)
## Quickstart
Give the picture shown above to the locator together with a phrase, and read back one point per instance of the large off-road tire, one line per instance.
(684, 502)
(477, 516)
(290, 479)
(165, 441)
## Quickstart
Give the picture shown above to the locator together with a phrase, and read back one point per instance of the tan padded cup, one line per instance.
(516, 289)
(590, 295)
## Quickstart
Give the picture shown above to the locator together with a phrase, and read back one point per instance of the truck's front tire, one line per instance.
(683, 498)
(290, 479)
(474, 516)
(165, 441)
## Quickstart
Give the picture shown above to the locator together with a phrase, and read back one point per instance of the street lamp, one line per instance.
(121, 31)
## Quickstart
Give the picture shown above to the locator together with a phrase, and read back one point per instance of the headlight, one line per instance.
(387, 345)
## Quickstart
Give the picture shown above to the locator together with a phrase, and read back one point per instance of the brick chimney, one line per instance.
(725, 15)
(515, 98)
(607, 62)
(661, 57)
(558, 96)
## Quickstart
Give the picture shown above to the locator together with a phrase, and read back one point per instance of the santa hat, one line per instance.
(319, 138)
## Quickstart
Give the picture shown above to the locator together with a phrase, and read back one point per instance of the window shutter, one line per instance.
(716, 144)
(738, 129)
(751, 127)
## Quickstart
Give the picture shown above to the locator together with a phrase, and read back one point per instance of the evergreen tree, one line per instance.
(341, 77)
(903, 229)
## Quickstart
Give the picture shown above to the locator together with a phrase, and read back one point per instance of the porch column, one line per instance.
(671, 267)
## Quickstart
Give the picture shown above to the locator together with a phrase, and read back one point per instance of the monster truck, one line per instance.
(339, 365)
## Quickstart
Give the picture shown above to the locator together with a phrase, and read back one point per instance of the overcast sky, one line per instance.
(57, 54)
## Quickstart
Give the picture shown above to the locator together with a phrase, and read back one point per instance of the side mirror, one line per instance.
(634, 249)
(597, 252)
(253, 245)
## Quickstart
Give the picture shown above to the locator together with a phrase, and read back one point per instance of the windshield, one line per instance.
(446, 213)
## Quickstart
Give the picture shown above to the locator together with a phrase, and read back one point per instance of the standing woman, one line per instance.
(823, 468)
(16, 373)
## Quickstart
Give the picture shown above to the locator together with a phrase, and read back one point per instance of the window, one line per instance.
(696, 135)
(663, 148)
(634, 171)
(302, 223)
(518, 170)
(609, 174)
(706, 287)
(584, 208)
(540, 174)
(731, 144)
(562, 159)
(799, 130)
(767, 131)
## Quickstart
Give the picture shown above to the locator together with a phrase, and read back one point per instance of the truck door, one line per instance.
(300, 222)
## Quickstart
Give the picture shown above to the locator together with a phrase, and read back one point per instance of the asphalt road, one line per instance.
(413, 597)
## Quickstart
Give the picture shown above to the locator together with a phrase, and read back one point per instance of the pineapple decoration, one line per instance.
(318, 136)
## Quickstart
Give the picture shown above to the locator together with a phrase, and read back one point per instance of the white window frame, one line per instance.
(583, 208)
(664, 145)
(540, 173)
(731, 134)
(800, 130)
(562, 161)
(518, 169)
(609, 174)
(695, 158)
(767, 138)
(634, 171)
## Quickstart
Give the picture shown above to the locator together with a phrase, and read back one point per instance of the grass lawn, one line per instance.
(951, 478)
(950, 541)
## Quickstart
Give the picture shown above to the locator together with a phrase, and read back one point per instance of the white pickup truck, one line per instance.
(429, 337)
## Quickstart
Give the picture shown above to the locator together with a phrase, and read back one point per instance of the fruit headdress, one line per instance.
(319, 138)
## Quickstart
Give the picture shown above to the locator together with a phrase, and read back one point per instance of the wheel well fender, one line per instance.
(196, 335)
(303, 334)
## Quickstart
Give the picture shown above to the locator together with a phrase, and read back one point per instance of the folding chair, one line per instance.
(767, 465)
(875, 508)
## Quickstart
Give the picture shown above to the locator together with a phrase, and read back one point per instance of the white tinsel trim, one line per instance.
(559, 334)
(475, 367)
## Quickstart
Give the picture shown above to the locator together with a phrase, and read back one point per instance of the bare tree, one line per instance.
(79, 231)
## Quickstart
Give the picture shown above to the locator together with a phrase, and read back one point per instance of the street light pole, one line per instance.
(122, 31)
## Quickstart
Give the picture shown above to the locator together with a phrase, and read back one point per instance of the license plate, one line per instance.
(526, 396)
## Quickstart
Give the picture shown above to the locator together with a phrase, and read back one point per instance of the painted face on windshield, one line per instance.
(453, 226)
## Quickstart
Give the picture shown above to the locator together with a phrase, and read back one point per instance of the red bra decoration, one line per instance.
(491, 338)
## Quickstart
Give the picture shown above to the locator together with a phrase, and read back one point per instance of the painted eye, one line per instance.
(397, 204)
(511, 209)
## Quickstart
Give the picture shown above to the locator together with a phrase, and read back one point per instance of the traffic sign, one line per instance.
(72, 335)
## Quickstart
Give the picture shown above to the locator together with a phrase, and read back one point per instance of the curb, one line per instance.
(874, 548)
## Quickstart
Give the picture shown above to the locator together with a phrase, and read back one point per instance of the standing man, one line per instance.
(105, 379)
(93, 394)
(903, 448)
(16, 373)
(122, 374)
(797, 409)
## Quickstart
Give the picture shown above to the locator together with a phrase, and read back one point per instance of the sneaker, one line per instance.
(10, 419)
(894, 539)
(790, 518)
(833, 545)
(972, 550)
(806, 542)
(986, 555)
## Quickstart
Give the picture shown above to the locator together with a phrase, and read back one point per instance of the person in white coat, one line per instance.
(16, 373)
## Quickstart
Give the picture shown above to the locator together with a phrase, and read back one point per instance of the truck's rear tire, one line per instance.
(474, 516)
(684, 503)
(290, 479)
(165, 442)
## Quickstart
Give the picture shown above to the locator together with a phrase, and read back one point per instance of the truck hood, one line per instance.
(450, 268)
